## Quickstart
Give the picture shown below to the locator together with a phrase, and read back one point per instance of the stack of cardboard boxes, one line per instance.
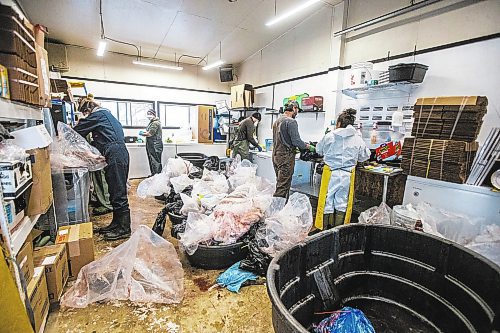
(242, 96)
(23, 60)
(443, 145)
(47, 269)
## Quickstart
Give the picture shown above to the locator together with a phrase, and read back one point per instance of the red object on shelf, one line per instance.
(388, 149)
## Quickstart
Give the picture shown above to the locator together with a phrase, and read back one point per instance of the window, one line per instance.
(174, 115)
(128, 113)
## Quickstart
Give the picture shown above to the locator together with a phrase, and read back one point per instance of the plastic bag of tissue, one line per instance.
(286, 227)
(177, 166)
(487, 243)
(347, 320)
(145, 268)
(376, 215)
(189, 205)
(179, 183)
(199, 228)
(153, 186)
(243, 173)
(71, 150)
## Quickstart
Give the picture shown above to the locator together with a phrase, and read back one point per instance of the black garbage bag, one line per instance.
(159, 225)
(186, 191)
(171, 197)
(196, 174)
(212, 163)
(175, 207)
(250, 234)
(319, 168)
(306, 155)
(256, 261)
(177, 229)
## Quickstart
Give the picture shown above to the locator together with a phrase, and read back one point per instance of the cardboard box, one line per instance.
(79, 244)
(41, 195)
(24, 259)
(242, 96)
(55, 260)
(15, 177)
(39, 297)
(43, 75)
(205, 124)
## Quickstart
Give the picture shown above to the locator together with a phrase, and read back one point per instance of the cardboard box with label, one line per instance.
(205, 124)
(242, 96)
(13, 214)
(39, 297)
(43, 75)
(55, 260)
(36, 140)
(79, 244)
(24, 259)
(15, 176)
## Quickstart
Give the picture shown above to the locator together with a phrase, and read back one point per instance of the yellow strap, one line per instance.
(348, 211)
(323, 191)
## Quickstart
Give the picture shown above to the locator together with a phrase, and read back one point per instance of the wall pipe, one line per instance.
(388, 16)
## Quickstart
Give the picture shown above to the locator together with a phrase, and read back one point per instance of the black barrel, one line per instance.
(403, 280)
(176, 219)
(197, 159)
(218, 257)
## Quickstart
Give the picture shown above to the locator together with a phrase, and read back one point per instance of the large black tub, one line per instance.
(403, 280)
(218, 256)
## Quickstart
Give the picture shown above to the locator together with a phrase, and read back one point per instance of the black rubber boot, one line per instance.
(123, 229)
(112, 226)
(328, 221)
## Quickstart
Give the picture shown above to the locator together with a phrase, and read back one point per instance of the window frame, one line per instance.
(128, 109)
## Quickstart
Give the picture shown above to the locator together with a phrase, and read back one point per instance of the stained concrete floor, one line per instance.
(202, 310)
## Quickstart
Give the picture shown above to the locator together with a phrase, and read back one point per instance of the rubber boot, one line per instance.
(101, 210)
(339, 218)
(122, 231)
(112, 226)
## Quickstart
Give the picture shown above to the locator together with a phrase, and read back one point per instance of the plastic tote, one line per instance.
(403, 281)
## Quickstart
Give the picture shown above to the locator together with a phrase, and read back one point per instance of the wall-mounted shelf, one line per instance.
(15, 111)
(385, 90)
(20, 235)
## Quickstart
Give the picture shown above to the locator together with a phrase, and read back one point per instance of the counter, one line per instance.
(139, 166)
(302, 173)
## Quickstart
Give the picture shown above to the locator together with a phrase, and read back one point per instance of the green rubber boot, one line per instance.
(339, 218)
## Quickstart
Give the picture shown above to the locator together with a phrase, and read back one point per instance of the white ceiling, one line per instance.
(169, 27)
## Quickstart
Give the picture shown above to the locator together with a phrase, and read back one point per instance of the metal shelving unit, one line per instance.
(18, 112)
(385, 90)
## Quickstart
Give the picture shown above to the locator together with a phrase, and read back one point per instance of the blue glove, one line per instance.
(141, 133)
(259, 148)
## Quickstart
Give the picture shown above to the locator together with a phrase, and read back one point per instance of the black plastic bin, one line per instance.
(176, 219)
(403, 280)
(218, 257)
(198, 159)
(413, 73)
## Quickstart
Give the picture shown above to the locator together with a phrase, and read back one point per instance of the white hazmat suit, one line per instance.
(342, 149)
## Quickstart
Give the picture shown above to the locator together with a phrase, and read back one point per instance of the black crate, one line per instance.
(413, 73)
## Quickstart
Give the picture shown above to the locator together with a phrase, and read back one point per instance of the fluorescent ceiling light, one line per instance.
(152, 64)
(101, 48)
(215, 64)
(292, 12)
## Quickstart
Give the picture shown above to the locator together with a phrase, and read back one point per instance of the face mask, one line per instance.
(149, 116)
(83, 116)
(256, 123)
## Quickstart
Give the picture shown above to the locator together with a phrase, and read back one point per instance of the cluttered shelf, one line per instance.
(393, 89)
(10, 110)
(20, 235)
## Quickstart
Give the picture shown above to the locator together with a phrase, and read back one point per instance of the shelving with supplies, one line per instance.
(382, 91)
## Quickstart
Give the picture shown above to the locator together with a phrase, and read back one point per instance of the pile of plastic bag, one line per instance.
(11, 152)
(241, 173)
(71, 150)
(160, 184)
(145, 268)
(376, 215)
(285, 226)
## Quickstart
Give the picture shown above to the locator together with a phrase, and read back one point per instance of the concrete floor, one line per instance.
(202, 310)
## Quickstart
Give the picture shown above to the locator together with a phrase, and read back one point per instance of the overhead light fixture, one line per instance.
(101, 48)
(215, 64)
(152, 64)
(292, 12)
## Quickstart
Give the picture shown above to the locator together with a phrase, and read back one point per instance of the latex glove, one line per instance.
(259, 148)
(312, 149)
(141, 133)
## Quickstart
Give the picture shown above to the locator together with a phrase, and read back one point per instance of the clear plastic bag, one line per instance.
(217, 182)
(487, 243)
(177, 166)
(243, 173)
(199, 228)
(153, 186)
(347, 320)
(145, 268)
(181, 182)
(71, 150)
(376, 215)
(190, 205)
(9, 152)
(286, 227)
